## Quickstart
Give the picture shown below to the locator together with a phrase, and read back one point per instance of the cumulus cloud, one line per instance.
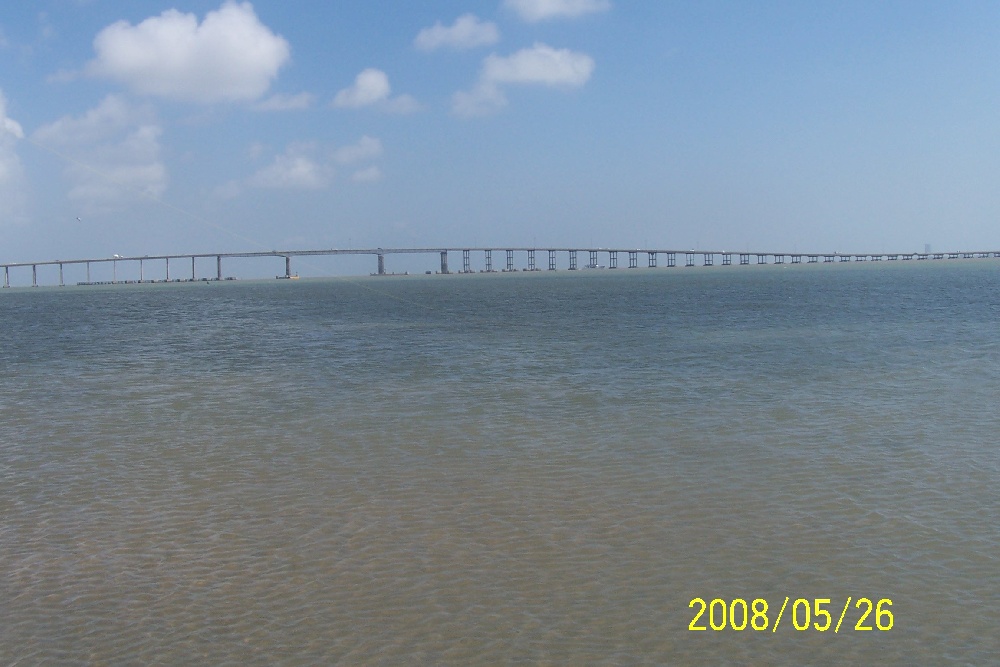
(114, 151)
(371, 89)
(12, 199)
(230, 56)
(467, 32)
(533, 11)
(539, 65)
(283, 102)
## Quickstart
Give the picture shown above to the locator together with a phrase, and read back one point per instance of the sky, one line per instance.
(147, 127)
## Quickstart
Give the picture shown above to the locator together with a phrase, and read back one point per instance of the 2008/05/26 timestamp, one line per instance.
(814, 614)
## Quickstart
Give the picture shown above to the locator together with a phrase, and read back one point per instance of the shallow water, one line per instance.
(495, 469)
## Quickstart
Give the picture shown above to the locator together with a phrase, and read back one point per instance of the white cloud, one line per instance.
(401, 104)
(230, 56)
(114, 154)
(12, 181)
(295, 169)
(541, 64)
(304, 167)
(367, 148)
(371, 89)
(541, 10)
(466, 33)
(538, 65)
(369, 175)
(283, 102)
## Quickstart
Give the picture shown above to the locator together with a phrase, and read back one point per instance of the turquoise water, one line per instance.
(502, 469)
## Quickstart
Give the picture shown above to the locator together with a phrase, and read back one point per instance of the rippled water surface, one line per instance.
(506, 469)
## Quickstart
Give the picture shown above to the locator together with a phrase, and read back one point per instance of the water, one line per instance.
(516, 469)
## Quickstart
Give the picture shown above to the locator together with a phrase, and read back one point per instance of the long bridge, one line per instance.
(505, 259)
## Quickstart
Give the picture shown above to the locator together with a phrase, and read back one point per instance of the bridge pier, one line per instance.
(762, 259)
(488, 258)
(510, 261)
(632, 259)
(381, 264)
(34, 275)
(572, 260)
(466, 264)
(444, 261)
(168, 269)
(727, 259)
(531, 260)
(218, 267)
(6, 276)
(689, 259)
(744, 258)
(140, 270)
(61, 283)
(192, 268)
(552, 260)
(612, 259)
(652, 260)
(708, 259)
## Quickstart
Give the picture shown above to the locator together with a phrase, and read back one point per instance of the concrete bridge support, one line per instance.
(552, 260)
(466, 264)
(652, 259)
(510, 260)
(531, 260)
(572, 260)
(444, 261)
(381, 264)
(288, 266)
(218, 267)
(488, 258)
(61, 283)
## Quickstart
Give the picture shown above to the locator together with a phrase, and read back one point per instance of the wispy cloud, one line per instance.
(113, 152)
(230, 56)
(366, 148)
(533, 11)
(12, 180)
(284, 102)
(295, 169)
(467, 32)
(310, 166)
(539, 65)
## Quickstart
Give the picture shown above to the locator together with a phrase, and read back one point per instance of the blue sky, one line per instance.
(147, 127)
